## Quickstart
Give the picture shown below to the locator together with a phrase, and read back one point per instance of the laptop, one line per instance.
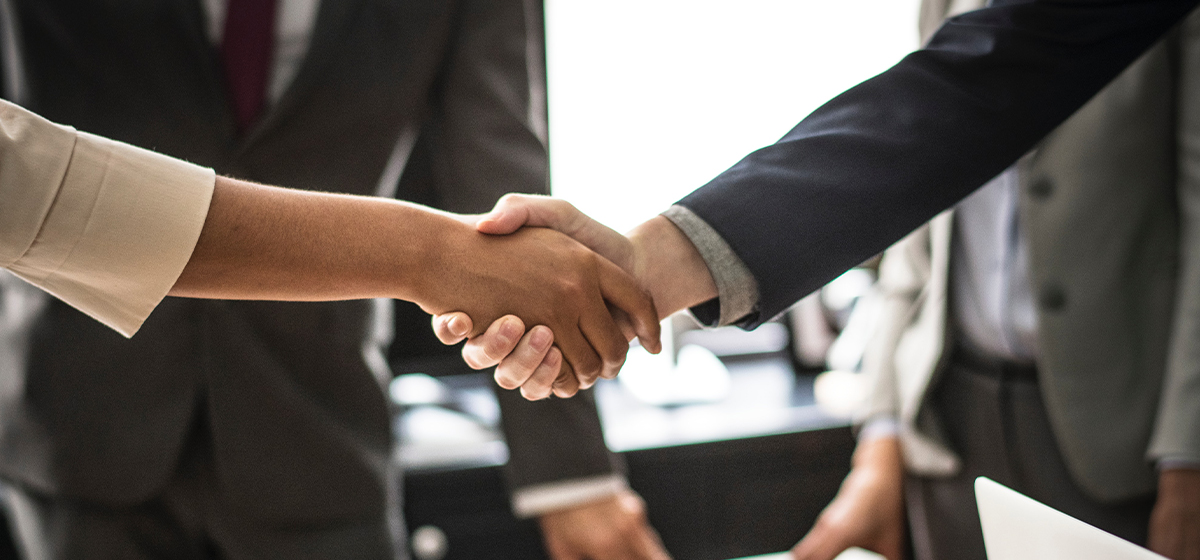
(851, 554)
(1019, 528)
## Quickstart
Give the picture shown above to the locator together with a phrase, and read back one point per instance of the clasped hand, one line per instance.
(655, 254)
(588, 307)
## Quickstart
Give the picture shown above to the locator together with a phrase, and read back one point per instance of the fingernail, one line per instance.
(457, 326)
(540, 339)
(509, 331)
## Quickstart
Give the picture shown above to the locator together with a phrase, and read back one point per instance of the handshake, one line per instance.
(554, 298)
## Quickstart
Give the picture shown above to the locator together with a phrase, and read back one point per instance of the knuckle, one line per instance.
(494, 349)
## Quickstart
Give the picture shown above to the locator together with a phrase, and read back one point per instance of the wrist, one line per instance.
(667, 265)
(880, 453)
(442, 243)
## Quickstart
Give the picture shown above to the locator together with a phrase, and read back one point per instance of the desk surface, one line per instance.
(766, 398)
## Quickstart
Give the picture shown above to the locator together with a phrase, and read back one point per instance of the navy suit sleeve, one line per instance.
(886, 156)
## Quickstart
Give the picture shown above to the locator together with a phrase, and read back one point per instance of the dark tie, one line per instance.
(246, 54)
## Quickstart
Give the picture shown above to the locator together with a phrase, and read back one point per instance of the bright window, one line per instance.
(649, 99)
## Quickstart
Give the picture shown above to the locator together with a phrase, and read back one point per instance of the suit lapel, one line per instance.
(333, 18)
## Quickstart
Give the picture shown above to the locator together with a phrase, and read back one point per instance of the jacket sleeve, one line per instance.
(486, 137)
(1177, 431)
(882, 158)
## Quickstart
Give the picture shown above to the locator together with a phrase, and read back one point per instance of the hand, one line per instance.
(546, 278)
(656, 253)
(868, 511)
(611, 529)
(1175, 521)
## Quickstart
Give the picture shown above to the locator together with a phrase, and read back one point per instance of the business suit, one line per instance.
(901, 147)
(1107, 209)
(271, 413)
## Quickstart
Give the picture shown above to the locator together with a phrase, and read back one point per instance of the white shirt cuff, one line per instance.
(879, 427)
(120, 232)
(1173, 463)
(540, 499)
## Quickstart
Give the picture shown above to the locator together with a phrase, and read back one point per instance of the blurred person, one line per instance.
(1041, 334)
(893, 151)
(256, 429)
(914, 140)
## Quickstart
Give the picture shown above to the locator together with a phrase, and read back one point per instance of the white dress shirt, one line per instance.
(993, 306)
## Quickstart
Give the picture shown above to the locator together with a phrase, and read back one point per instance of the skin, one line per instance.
(614, 528)
(656, 253)
(261, 242)
(1175, 520)
(868, 511)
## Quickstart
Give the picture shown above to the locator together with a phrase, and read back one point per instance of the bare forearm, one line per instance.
(262, 242)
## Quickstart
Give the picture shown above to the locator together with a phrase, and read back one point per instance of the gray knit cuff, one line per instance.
(737, 290)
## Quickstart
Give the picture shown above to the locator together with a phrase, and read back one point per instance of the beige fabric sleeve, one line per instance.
(104, 226)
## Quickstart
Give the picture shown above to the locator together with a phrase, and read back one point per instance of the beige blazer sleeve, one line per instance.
(1177, 430)
(104, 226)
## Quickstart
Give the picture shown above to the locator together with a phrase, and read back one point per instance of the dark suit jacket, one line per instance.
(286, 393)
(886, 156)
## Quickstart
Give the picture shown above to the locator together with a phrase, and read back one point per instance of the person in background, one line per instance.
(255, 429)
(787, 218)
(1043, 334)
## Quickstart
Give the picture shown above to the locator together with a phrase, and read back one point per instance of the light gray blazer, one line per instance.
(1110, 205)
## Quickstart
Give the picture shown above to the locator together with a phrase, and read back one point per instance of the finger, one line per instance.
(1164, 537)
(557, 549)
(525, 359)
(1191, 540)
(579, 353)
(515, 211)
(648, 545)
(451, 328)
(566, 384)
(623, 322)
(538, 386)
(620, 290)
(501, 337)
(605, 337)
(819, 544)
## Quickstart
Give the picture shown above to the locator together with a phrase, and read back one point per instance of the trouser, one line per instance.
(995, 420)
(188, 520)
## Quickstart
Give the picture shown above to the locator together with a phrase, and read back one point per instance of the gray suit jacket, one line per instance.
(288, 394)
(1110, 204)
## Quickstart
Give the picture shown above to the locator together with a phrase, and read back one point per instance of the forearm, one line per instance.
(262, 242)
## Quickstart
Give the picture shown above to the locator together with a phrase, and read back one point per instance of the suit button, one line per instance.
(1041, 189)
(1052, 298)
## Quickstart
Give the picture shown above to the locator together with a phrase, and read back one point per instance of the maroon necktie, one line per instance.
(246, 54)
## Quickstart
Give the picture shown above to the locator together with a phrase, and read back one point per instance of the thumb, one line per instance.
(452, 328)
(515, 211)
(509, 215)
